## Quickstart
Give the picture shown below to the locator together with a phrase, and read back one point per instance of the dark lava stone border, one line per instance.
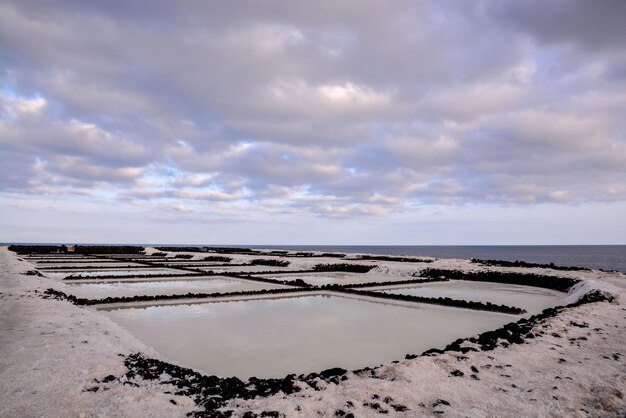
(524, 264)
(56, 294)
(136, 276)
(349, 268)
(84, 260)
(562, 284)
(297, 287)
(515, 332)
(142, 266)
(182, 265)
(78, 249)
(269, 262)
(210, 393)
(198, 272)
(220, 258)
(200, 249)
(391, 283)
(443, 301)
(394, 258)
(431, 274)
(250, 251)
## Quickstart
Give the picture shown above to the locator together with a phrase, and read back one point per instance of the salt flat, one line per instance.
(53, 354)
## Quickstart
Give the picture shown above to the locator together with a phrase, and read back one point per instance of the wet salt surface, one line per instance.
(320, 279)
(194, 262)
(58, 258)
(74, 265)
(147, 279)
(178, 287)
(275, 337)
(105, 272)
(243, 269)
(532, 299)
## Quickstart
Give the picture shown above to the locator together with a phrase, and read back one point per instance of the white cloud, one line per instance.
(351, 94)
(324, 98)
(14, 107)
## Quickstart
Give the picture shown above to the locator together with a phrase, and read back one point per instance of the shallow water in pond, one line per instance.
(533, 299)
(105, 272)
(320, 279)
(76, 265)
(60, 258)
(185, 262)
(275, 337)
(173, 287)
(243, 269)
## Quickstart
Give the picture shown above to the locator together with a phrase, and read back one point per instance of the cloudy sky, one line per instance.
(325, 122)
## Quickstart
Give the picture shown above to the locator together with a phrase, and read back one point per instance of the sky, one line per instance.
(327, 122)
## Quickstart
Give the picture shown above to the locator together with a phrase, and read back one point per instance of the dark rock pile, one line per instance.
(332, 255)
(444, 301)
(561, 284)
(514, 332)
(36, 249)
(218, 258)
(269, 262)
(33, 273)
(516, 263)
(208, 392)
(212, 392)
(395, 258)
(350, 268)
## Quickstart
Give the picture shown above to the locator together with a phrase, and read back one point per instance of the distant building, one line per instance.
(68, 248)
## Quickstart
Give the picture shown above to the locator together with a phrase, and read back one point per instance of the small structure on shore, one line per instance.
(68, 248)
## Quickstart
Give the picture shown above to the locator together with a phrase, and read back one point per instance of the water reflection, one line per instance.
(532, 299)
(274, 337)
(320, 279)
(243, 269)
(86, 264)
(177, 287)
(105, 272)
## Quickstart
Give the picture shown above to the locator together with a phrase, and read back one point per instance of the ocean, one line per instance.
(607, 257)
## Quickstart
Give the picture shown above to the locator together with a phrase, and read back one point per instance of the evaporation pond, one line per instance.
(341, 278)
(242, 269)
(170, 287)
(87, 264)
(533, 299)
(104, 272)
(275, 337)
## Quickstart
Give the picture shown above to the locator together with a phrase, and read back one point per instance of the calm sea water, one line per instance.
(608, 257)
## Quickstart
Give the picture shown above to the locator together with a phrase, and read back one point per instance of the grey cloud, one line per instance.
(341, 109)
(16, 171)
(594, 25)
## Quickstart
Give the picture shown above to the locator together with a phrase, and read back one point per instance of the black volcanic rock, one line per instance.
(561, 284)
